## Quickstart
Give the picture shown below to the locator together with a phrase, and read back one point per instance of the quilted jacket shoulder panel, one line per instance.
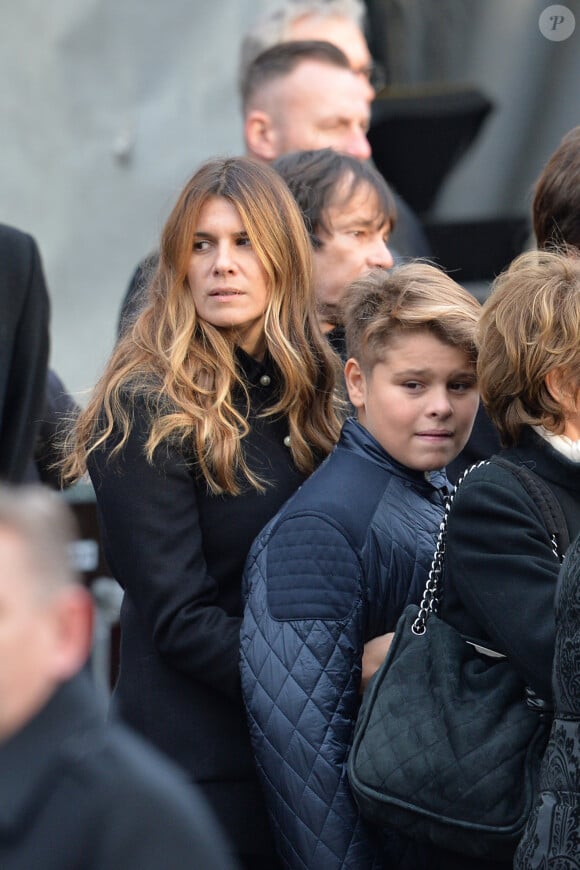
(312, 569)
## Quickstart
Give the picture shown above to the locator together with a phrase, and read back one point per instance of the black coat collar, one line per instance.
(252, 368)
(535, 452)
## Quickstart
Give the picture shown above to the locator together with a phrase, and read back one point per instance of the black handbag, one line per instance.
(448, 741)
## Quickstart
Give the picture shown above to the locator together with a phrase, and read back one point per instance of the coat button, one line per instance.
(265, 380)
(287, 441)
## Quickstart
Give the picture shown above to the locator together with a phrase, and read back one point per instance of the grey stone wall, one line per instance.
(106, 107)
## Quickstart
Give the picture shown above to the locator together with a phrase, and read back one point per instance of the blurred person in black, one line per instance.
(24, 316)
(74, 790)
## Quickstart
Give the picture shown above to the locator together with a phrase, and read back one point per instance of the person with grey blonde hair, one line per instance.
(500, 570)
(75, 791)
(341, 22)
(328, 578)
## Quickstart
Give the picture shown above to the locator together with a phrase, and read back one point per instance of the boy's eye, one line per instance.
(412, 386)
(461, 386)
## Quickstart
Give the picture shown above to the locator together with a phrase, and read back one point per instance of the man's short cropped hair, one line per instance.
(45, 524)
(556, 202)
(274, 27)
(529, 326)
(413, 297)
(280, 60)
(315, 179)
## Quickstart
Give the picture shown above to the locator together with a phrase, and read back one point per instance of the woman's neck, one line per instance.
(256, 348)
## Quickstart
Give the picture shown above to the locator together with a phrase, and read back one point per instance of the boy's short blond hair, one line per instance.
(530, 325)
(410, 298)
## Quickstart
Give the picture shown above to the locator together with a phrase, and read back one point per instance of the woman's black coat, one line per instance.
(500, 569)
(179, 552)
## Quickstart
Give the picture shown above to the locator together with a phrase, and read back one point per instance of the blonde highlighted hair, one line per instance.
(184, 368)
(413, 297)
(530, 325)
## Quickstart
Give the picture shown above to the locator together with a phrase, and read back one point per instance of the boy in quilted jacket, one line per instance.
(329, 576)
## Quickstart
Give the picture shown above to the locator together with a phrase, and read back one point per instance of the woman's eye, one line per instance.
(243, 242)
(201, 245)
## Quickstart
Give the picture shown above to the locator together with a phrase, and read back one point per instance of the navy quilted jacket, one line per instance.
(333, 569)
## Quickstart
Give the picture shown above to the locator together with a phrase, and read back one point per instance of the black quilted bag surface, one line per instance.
(446, 750)
(448, 742)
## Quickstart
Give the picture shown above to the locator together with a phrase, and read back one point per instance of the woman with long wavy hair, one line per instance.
(217, 402)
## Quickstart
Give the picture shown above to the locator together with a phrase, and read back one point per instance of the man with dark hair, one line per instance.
(556, 203)
(349, 213)
(75, 791)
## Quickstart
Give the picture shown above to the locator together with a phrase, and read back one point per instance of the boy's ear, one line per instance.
(355, 383)
(259, 135)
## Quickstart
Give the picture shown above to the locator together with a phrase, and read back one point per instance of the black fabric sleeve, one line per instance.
(150, 520)
(500, 561)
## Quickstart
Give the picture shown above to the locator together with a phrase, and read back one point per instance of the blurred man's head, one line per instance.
(349, 212)
(340, 22)
(303, 95)
(45, 615)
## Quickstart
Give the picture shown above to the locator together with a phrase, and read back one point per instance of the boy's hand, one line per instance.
(374, 653)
